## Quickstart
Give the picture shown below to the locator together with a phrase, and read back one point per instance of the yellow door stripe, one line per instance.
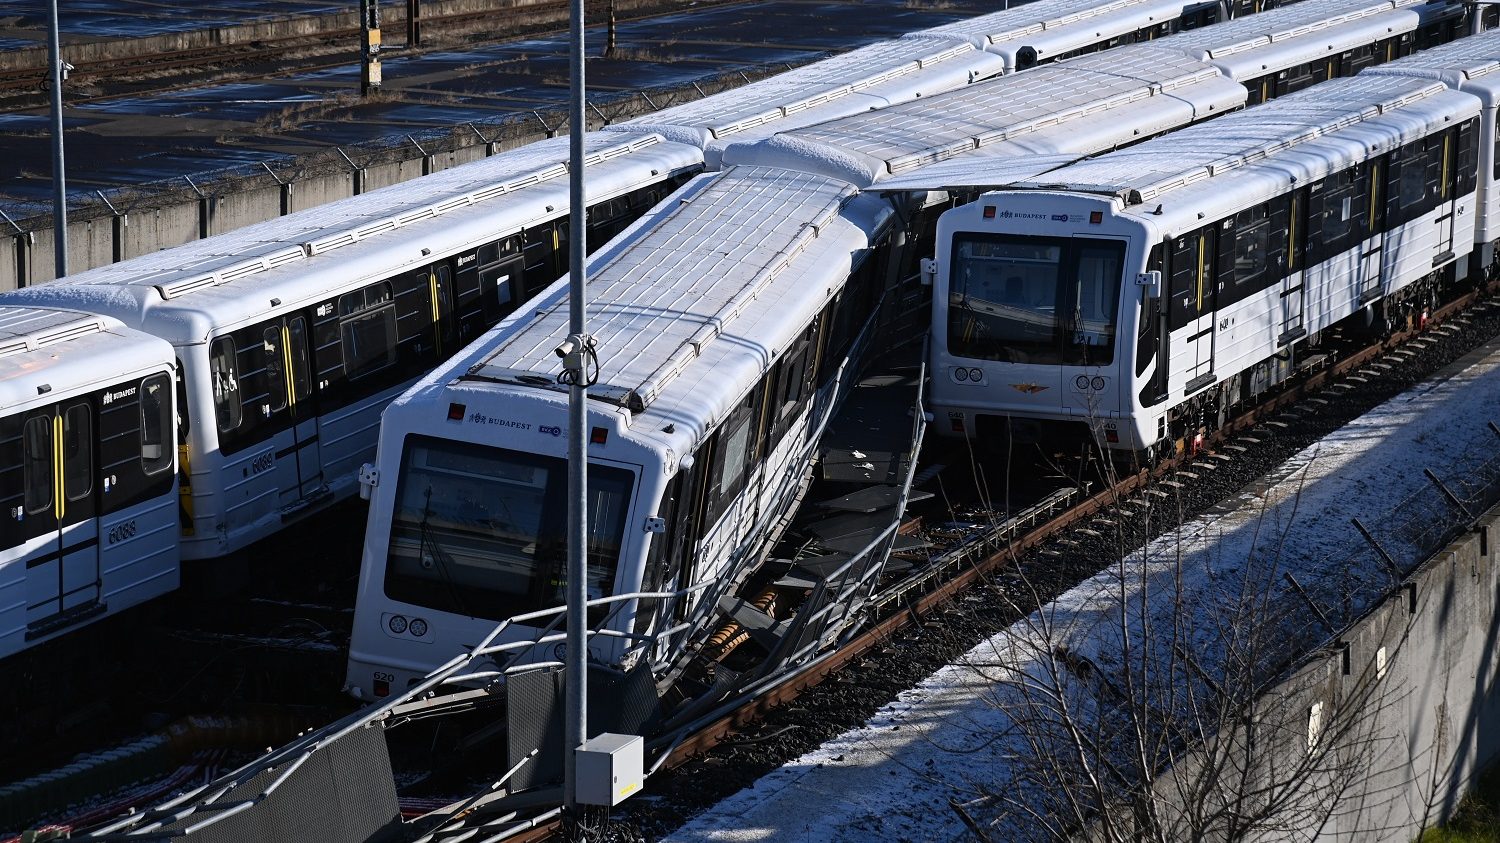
(286, 358)
(57, 467)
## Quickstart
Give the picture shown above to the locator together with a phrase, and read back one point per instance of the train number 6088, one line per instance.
(121, 532)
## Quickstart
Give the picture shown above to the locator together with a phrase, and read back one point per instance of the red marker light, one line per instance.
(1096, 217)
(599, 435)
(989, 212)
(456, 412)
(382, 687)
(957, 425)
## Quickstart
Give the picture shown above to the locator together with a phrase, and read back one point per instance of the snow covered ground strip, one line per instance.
(948, 738)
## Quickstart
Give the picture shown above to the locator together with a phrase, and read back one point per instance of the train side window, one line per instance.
(78, 452)
(368, 330)
(226, 385)
(274, 365)
(1252, 250)
(733, 454)
(156, 424)
(1412, 178)
(37, 470)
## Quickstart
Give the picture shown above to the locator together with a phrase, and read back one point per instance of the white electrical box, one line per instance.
(610, 768)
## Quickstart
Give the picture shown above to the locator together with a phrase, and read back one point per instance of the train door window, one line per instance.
(297, 353)
(541, 250)
(37, 468)
(226, 385)
(1190, 265)
(1374, 182)
(367, 328)
(1296, 227)
(78, 452)
(274, 365)
(1445, 179)
(156, 424)
(1468, 157)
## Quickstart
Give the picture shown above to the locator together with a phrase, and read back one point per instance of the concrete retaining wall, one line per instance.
(1383, 731)
(146, 219)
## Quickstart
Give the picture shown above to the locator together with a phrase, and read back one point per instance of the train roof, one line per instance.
(46, 353)
(682, 326)
(308, 254)
(1469, 64)
(869, 77)
(1068, 107)
(1006, 28)
(1286, 23)
(1144, 174)
(1212, 171)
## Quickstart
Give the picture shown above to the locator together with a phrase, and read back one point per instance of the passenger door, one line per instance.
(1192, 307)
(286, 346)
(60, 530)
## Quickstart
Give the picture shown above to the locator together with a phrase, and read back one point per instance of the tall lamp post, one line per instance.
(59, 182)
(575, 361)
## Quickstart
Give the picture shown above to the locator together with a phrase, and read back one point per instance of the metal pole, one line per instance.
(369, 53)
(576, 724)
(59, 183)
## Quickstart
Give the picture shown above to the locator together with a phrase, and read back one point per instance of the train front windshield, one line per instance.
(480, 531)
(1042, 300)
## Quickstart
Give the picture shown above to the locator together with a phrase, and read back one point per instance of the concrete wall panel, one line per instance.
(237, 210)
(160, 228)
(320, 190)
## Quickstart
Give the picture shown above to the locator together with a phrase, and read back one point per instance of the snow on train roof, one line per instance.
(1294, 21)
(265, 246)
(662, 300)
(1456, 62)
(64, 350)
(866, 148)
(1033, 18)
(1143, 173)
(813, 86)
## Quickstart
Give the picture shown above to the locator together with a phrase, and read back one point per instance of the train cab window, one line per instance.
(78, 450)
(367, 327)
(226, 384)
(37, 470)
(734, 454)
(481, 531)
(156, 424)
(273, 362)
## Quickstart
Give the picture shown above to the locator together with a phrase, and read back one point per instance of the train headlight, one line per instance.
(1081, 383)
(1097, 383)
(418, 627)
(396, 624)
(960, 375)
(976, 375)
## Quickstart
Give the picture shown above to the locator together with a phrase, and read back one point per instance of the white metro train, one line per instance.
(414, 610)
(1132, 299)
(291, 335)
(87, 479)
(717, 368)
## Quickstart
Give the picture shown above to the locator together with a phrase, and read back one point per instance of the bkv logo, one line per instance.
(550, 430)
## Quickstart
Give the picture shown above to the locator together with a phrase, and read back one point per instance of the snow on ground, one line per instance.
(892, 779)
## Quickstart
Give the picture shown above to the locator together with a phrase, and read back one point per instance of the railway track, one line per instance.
(978, 559)
(964, 560)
